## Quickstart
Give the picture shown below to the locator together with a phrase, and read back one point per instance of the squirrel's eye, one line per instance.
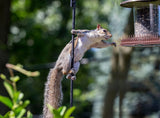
(104, 31)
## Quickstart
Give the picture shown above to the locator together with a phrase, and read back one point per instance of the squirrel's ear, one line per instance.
(99, 27)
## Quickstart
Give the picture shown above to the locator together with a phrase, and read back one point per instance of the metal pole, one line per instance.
(73, 5)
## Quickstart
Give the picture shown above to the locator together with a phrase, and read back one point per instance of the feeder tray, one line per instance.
(141, 41)
(146, 23)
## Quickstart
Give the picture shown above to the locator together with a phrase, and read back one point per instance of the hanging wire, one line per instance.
(73, 5)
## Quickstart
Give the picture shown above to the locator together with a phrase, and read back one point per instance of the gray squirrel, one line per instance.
(85, 40)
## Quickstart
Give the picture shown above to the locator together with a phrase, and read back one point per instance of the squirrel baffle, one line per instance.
(146, 23)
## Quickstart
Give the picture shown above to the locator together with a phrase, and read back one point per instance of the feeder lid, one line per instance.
(138, 3)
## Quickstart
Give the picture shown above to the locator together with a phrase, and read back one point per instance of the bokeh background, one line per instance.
(112, 82)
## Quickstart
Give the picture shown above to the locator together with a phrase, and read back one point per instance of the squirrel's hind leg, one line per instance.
(66, 66)
(73, 71)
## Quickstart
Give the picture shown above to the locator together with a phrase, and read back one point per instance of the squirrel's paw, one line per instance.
(74, 31)
(114, 44)
(72, 72)
(73, 78)
(70, 76)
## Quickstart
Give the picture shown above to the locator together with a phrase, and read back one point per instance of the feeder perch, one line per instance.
(146, 23)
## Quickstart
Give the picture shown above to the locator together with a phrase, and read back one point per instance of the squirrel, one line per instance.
(85, 40)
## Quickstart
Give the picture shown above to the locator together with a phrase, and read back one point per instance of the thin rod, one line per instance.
(73, 5)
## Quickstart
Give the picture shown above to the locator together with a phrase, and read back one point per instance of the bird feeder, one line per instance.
(146, 23)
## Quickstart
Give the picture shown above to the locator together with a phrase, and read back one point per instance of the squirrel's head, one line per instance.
(103, 33)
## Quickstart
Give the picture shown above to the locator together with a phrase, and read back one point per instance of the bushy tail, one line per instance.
(53, 92)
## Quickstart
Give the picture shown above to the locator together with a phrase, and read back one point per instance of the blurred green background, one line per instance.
(113, 82)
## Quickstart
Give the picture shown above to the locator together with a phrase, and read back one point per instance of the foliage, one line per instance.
(61, 112)
(15, 103)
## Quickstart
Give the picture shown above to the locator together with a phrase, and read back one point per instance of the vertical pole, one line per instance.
(73, 5)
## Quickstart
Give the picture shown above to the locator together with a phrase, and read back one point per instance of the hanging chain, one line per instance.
(73, 5)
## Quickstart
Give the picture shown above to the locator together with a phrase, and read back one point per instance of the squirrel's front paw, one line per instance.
(74, 31)
(114, 44)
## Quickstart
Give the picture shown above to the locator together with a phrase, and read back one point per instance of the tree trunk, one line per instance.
(4, 30)
(120, 66)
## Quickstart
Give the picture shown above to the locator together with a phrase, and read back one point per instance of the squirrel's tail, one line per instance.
(53, 92)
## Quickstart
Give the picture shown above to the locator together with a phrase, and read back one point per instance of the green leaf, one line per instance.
(6, 101)
(15, 96)
(22, 112)
(69, 112)
(55, 112)
(9, 89)
(21, 95)
(20, 107)
(3, 76)
(62, 110)
(11, 115)
(29, 114)
(26, 103)
(1, 116)
(18, 96)
(15, 79)
(50, 108)
(7, 115)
